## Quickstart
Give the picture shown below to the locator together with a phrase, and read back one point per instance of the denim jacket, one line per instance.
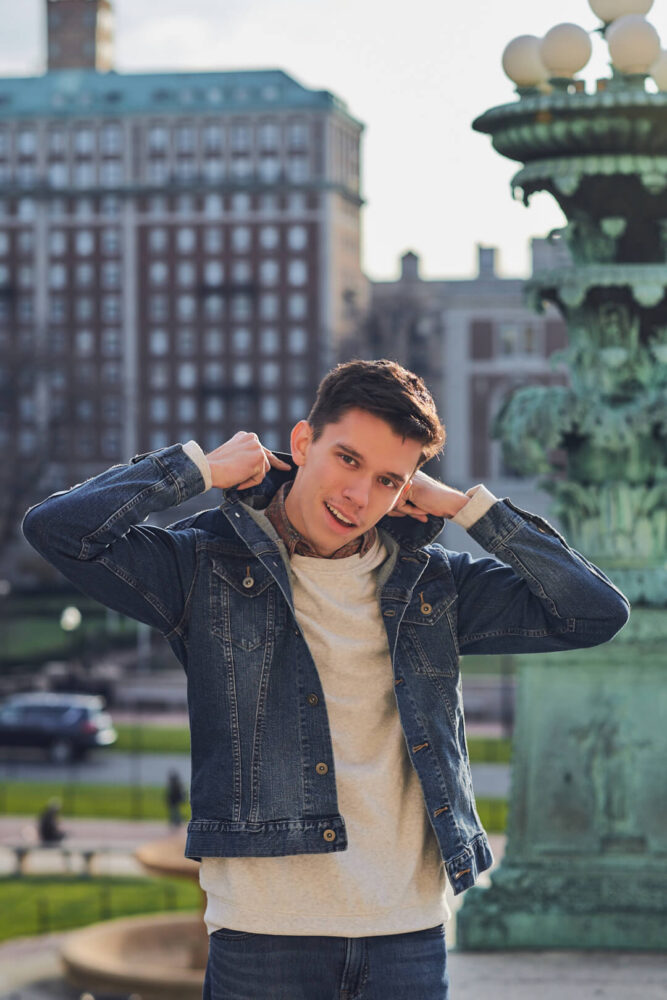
(217, 585)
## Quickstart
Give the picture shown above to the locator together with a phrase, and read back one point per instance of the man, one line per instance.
(320, 627)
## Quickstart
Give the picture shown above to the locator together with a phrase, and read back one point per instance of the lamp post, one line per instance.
(586, 858)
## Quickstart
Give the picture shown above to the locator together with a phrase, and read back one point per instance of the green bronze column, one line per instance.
(586, 857)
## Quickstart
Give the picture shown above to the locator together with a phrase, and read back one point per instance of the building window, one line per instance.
(111, 342)
(268, 237)
(186, 342)
(269, 373)
(297, 305)
(241, 307)
(240, 138)
(213, 272)
(268, 340)
(241, 237)
(58, 175)
(268, 272)
(185, 273)
(83, 275)
(186, 307)
(111, 139)
(213, 205)
(214, 409)
(84, 342)
(157, 240)
(158, 273)
(213, 240)
(269, 305)
(111, 173)
(269, 408)
(157, 172)
(56, 141)
(158, 308)
(84, 175)
(110, 241)
(159, 409)
(297, 272)
(297, 340)
(241, 168)
(159, 342)
(241, 272)
(297, 237)
(187, 375)
(158, 205)
(186, 139)
(213, 342)
(214, 172)
(110, 311)
(84, 141)
(111, 274)
(298, 169)
(158, 375)
(25, 242)
(110, 206)
(296, 203)
(214, 307)
(186, 240)
(242, 375)
(158, 138)
(240, 203)
(269, 135)
(26, 143)
(84, 308)
(297, 135)
(241, 340)
(84, 242)
(25, 209)
(187, 409)
(57, 276)
(212, 138)
(57, 309)
(57, 242)
(297, 374)
(269, 169)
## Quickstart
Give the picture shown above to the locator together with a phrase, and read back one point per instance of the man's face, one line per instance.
(348, 479)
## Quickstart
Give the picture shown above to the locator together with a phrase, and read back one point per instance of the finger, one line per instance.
(276, 462)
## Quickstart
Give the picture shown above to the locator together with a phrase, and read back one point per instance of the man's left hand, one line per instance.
(427, 496)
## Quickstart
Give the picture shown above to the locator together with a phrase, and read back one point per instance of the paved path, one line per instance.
(117, 768)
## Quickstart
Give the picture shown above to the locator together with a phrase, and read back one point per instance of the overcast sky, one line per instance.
(416, 73)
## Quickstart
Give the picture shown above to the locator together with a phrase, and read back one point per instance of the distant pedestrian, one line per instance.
(175, 797)
(48, 824)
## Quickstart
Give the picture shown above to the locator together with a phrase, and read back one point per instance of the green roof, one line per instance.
(81, 92)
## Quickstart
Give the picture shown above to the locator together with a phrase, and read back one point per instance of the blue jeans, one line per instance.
(243, 966)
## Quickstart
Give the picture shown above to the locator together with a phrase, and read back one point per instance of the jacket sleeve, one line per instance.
(93, 534)
(536, 595)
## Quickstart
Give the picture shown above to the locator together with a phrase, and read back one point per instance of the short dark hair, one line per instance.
(385, 389)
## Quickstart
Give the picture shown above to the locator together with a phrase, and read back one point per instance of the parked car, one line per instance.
(67, 726)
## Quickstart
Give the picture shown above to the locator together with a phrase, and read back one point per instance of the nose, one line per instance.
(358, 492)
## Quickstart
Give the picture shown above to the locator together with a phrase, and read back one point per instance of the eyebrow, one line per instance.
(398, 476)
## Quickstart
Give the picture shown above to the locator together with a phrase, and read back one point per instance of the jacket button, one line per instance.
(248, 582)
(329, 835)
(322, 768)
(313, 699)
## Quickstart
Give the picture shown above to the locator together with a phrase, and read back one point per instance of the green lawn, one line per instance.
(27, 798)
(32, 904)
(176, 739)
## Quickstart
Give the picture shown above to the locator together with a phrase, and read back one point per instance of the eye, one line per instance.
(347, 458)
(388, 482)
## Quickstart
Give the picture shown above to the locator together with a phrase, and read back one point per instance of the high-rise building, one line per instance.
(178, 252)
(79, 34)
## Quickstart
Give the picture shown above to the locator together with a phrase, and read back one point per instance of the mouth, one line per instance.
(338, 519)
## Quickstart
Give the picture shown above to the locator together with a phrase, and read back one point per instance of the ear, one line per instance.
(300, 439)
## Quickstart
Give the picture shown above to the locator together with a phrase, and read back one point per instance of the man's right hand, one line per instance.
(242, 462)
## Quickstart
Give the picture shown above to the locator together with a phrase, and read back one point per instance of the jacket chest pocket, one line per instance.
(428, 632)
(242, 602)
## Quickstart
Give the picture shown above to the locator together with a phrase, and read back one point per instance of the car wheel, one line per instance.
(61, 752)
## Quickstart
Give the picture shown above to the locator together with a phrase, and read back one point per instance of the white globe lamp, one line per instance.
(659, 71)
(565, 49)
(522, 62)
(609, 10)
(634, 44)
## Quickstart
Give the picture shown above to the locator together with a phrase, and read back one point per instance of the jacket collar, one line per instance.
(408, 532)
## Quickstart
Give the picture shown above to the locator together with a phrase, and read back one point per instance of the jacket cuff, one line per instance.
(480, 501)
(194, 452)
